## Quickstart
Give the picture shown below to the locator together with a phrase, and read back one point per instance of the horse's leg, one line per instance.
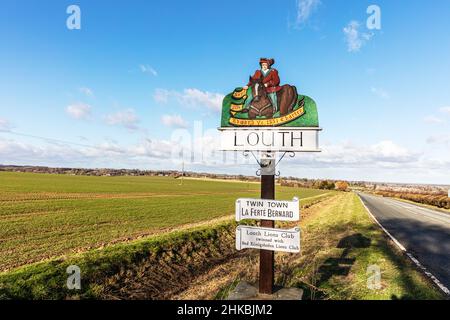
(268, 113)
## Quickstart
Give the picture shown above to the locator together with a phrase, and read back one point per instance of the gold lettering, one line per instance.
(268, 122)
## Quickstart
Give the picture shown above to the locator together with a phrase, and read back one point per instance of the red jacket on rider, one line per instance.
(271, 79)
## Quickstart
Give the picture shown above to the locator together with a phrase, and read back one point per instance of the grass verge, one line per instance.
(111, 272)
(342, 252)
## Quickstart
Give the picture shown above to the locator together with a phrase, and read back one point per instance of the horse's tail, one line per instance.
(295, 92)
(295, 98)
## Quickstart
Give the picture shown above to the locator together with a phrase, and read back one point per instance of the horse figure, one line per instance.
(261, 104)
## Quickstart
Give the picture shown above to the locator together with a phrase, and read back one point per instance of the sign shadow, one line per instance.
(341, 266)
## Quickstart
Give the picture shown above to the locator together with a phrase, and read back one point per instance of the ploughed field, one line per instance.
(44, 215)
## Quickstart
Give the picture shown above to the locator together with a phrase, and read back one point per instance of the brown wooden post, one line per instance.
(267, 257)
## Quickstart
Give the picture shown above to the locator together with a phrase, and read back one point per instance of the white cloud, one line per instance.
(383, 161)
(433, 119)
(445, 110)
(126, 118)
(157, 149)
(145, 68)
(79, 110)
(191, 97)
(5, 125)
(385, 156)
(380, 92)
(354, 38)
(382, 153)
(161, 95)
(436, 119)
(439, 139)
(304, 10)
(107, 154)
(86, 91)
(388, 151)
(199, 98)
(174, 121)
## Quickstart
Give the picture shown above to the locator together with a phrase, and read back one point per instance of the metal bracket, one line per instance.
(267, 165)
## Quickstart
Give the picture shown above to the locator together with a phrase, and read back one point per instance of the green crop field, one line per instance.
(44, 216)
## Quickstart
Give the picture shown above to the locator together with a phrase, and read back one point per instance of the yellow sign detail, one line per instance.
(268, 122)
(237, 107)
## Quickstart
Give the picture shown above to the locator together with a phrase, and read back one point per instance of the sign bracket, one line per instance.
(268, 155)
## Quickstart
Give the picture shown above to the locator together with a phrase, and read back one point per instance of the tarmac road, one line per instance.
(423, 232)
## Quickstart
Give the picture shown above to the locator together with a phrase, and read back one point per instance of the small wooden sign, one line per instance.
(268, 239)
(263, 209)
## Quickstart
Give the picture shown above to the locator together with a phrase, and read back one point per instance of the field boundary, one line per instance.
(418, 264)
(218, 180)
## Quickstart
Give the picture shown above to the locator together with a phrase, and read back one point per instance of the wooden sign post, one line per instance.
(267, 257)
(266, 117)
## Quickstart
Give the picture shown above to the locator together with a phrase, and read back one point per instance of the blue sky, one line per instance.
(138, 71)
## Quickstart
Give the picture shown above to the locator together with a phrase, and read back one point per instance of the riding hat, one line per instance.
(269, 62)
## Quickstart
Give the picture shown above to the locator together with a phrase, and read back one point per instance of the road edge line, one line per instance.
(408, 254)
(401, 247)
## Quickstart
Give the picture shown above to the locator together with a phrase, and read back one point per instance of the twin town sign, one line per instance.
(267, 209)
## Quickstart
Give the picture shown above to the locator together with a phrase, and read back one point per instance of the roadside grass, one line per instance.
(102, 269)
(341, 249)
(46, 215)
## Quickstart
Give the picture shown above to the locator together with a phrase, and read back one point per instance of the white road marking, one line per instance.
(410, 256)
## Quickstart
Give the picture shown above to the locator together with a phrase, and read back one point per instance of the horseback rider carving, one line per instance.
(266, 97)
(270, 79)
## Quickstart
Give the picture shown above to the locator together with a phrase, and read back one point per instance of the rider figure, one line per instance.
(270, 79)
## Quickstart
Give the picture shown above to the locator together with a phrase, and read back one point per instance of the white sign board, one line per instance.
(270, 139)
(267, 209)
(268, 239)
